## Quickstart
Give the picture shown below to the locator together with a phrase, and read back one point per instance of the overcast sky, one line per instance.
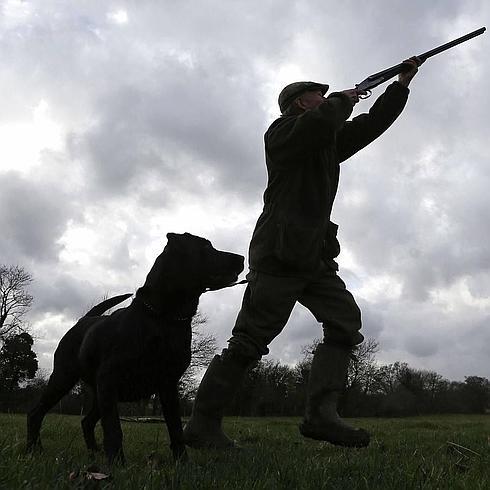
(122, 121)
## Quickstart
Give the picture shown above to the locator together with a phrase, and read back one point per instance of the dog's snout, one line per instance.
(238, 261)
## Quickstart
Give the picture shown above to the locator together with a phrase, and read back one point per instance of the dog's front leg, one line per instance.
(109, 418)
(169, 398)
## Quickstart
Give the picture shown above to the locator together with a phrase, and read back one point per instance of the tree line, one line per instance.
(269, 389)
(373, 390)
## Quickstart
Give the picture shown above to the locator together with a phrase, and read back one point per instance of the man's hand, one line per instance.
(413, 64)
(353, 95)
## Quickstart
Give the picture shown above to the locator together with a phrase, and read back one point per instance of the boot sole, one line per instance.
(339, 437)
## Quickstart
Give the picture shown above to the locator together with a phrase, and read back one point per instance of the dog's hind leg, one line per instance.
(58, 386)
(88, 425)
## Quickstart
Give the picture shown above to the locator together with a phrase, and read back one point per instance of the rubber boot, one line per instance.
(326, 382)
(216, 391)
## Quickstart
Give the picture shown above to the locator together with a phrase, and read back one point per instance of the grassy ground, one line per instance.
(445, 452)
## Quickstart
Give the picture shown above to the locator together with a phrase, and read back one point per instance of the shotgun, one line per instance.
(384, 75)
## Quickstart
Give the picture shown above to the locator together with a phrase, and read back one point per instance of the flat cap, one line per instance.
(295, 89)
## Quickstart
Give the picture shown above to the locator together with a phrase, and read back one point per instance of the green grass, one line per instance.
(409, 453)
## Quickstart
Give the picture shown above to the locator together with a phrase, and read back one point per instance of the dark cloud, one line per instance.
(32, 218)
(420, 346)
(59, 293)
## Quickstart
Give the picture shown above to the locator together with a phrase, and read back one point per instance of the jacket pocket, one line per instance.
(331, 247)
(299, 246)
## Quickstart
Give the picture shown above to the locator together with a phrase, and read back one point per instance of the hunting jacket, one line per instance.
(294, 234)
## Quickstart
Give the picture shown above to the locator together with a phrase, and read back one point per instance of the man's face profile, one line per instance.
(309, 100)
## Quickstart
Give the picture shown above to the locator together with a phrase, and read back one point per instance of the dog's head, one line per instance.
(191, 263)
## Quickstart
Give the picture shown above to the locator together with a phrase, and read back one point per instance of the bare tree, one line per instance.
(15, 300)
(363, 368)
(203, 345)
(387, 379)
(203, 349)
(308, 351)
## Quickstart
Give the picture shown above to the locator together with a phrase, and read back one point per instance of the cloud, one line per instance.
(32, 219)
(124, 122)
(420, 346)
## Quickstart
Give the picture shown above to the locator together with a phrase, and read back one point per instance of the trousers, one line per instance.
(269, 300)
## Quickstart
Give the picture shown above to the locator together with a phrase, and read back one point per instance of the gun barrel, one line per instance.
(384, 75)
(451, 44)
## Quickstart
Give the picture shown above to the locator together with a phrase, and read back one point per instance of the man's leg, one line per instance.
(333, 306)
(267, 305)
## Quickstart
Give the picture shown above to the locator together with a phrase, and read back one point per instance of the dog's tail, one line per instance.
(107, 304)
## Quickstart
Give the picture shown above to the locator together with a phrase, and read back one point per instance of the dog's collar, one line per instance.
(161, 314)
(156, 312)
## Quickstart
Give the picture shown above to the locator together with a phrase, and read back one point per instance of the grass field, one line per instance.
(444, 452)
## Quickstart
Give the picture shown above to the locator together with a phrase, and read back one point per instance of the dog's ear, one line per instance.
(175, 242)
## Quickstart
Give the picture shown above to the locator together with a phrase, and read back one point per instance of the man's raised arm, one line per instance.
(365, 128)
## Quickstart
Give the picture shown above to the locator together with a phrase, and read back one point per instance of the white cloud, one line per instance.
(22, 143)
(15, 13)
(118, 16)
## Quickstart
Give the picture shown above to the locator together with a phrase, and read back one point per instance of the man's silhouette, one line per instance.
(292, 256)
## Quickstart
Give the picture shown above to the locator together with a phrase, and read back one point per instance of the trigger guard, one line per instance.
(362, 97)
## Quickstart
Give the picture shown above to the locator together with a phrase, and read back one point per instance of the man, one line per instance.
(292, 256)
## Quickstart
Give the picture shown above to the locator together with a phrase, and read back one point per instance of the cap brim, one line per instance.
(314, 86)
(323, 87)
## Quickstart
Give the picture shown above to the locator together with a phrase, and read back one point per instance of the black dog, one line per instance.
(139, 350)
